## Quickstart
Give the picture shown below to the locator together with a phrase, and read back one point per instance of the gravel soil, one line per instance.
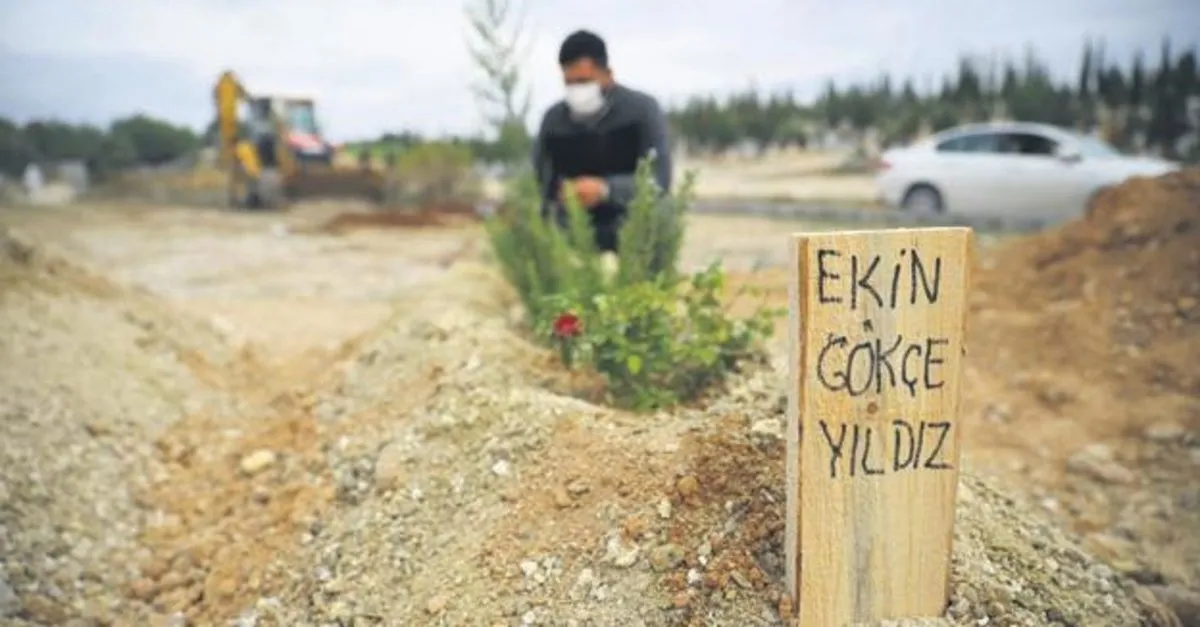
(212, 418)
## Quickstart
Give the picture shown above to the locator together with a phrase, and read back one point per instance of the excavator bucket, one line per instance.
(325, 181)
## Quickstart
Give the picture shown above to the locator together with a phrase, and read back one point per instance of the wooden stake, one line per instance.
(873, 431)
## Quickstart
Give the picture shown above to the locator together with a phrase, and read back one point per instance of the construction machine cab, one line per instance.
(303, 133)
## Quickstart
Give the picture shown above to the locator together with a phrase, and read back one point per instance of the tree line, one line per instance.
(1139, 105)
(126, 143)
(1136, 105)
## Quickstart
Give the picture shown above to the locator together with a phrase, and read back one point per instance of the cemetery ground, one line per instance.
(212, 418)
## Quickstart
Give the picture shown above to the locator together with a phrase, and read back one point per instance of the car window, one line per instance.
(1026, 144)
(975, 142)
(1092, 147)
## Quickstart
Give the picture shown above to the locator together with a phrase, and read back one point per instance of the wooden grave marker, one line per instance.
(877, 325)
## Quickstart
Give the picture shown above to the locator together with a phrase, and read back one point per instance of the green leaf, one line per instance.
(634, 364)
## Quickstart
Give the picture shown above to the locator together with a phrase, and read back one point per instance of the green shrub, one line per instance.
(657, 337)
(436, 172)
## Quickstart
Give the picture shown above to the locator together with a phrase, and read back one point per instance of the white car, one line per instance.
(1013, 169)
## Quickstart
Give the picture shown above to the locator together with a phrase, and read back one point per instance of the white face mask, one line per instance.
(584, 98)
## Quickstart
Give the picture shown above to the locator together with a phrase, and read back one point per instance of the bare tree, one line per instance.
(498, 48)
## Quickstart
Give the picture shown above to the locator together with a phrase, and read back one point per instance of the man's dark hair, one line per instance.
(583, 44)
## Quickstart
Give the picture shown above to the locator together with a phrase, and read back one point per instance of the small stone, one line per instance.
(634, 527)
(694, 577)
(666, 557)
(688, 487)
(587, 577)
(257, 462)
(664, 509)
(529, 568)
(529, 618)
(704, 552)
(1096, 461)
(501, 468)
(390, 470)
(562, 499)
(618, 554)
(437, 605)
(1165, 432)
(143, 589)
(96, 428)
(10, 603)
(578, 488)
(41, 609)
(785, 606)
(156, 568)
(768, 428)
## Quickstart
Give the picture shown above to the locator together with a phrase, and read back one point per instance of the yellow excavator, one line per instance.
(276, 154)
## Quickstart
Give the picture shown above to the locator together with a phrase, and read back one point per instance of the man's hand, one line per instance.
(590, 190)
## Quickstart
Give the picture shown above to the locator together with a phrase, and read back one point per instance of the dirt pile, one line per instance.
(474, 488)
(442, 469)
(1084, 379)
(446, 214)
(89, 373)
(1114, 297)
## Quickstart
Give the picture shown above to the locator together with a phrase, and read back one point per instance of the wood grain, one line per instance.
(877, 334)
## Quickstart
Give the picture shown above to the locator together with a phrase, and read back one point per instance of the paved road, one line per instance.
(891, 217)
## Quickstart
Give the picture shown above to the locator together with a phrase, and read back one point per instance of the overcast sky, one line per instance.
(377, 65)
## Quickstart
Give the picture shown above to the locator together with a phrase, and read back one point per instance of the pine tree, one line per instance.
(1085, 72)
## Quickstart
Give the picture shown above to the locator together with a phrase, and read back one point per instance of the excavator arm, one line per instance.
(228, 94)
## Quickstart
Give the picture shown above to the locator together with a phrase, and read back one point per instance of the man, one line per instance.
(592, 140)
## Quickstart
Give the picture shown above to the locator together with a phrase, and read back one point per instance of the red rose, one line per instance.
(567, 325)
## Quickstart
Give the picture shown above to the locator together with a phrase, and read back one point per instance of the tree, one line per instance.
(1137, 80)
(1167, 114)
(155, 141)
(1016, 88)
(117, 152)
(16, 151)
(497, 47)
(1086, 70)
(59, 141)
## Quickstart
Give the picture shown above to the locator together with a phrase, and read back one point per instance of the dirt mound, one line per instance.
(1084, 379)
(1115, 294)
(90, 373)
(442, 215)
(444, 470)
(474, 489)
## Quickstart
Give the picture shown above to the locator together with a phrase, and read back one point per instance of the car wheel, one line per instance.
(923, 199)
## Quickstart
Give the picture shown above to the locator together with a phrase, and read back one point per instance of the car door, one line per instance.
(964, 172)
(1044, 184)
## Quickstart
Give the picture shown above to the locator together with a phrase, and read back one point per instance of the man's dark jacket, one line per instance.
(607, 145)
